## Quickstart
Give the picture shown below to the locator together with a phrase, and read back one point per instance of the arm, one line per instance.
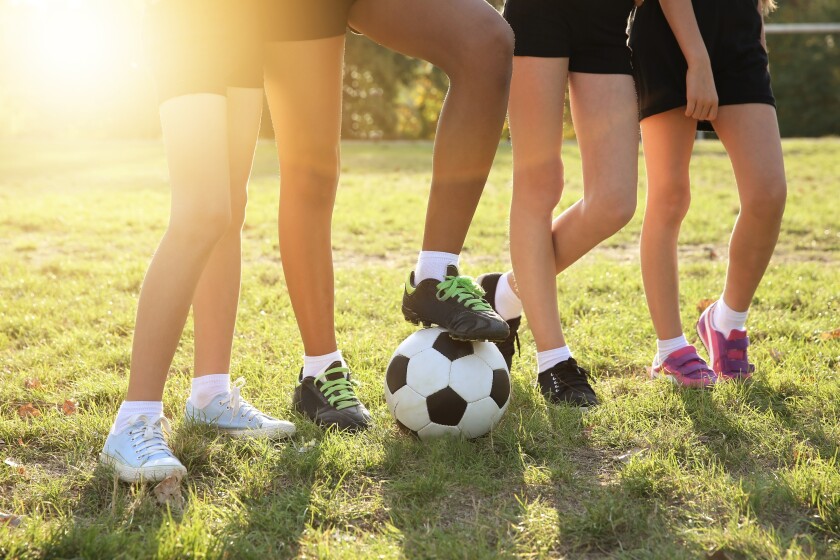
(702, 99)
(763, 33)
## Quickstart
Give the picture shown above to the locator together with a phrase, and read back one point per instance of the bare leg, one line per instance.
(217, 294)
(303, 83)
(536, 124)
(607, 128)
(604, 112)
(195, 134)
(750, 134)
(668, 140)
(474, 46)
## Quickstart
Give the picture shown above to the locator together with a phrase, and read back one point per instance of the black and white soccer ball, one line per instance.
(436, 386)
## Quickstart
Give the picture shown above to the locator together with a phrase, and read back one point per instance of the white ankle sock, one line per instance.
(508, 304)
(665, 348)
(725, 319)
(432, 264)
(206, 387)
(152, 409)
(316, 365)
(551, 358)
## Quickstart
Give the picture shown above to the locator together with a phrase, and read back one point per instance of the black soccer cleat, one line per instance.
(509, 346)
(329, 400)
(456, 304)
(567, 383)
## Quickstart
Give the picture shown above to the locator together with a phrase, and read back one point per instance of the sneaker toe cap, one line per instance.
(280, 427)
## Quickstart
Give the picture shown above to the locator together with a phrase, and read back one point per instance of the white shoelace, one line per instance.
(236, 403)
(151, 435)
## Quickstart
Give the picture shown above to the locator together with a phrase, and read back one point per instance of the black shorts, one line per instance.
(731, 30)
(206, 46)
(592, 34)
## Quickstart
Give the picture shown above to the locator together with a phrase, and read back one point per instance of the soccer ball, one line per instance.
(436, 386)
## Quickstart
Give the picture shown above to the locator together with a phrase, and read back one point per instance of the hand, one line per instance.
(638, 2)
(701, 94)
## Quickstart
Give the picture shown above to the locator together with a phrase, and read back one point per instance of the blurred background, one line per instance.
(76, 69)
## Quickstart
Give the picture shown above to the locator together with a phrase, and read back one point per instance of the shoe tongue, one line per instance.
(452, 270)
(336, 374)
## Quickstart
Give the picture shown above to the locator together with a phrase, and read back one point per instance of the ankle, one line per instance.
(666, 347)
(508, 304)
(205, 387)
(130, 409)
(433, 264)
(314, 366)
(550, 358)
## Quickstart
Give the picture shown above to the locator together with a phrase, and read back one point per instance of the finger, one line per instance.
(713, 112)
(689, 107)
(698, 111)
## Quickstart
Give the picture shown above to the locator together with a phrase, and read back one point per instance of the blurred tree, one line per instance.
(386, 95)
(806, 70)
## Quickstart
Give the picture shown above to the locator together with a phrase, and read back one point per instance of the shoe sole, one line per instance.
(141, 474)
(414, 319)
(706, 321)
(268, 433)
(257, 433)
(327, 425)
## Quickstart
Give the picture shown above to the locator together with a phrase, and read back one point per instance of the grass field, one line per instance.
(655, 472)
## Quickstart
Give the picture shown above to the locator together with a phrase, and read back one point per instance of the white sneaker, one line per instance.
(233, 415)
(140, 452)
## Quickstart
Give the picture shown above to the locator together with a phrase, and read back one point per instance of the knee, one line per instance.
(488, 54)
(614, 211)
(200, 226)
(237, 214)
(766, 201)
(538, 187)
(309, 186)
(669, 207)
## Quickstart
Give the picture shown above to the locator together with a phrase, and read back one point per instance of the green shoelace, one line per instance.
(465, 290)
(338, 391)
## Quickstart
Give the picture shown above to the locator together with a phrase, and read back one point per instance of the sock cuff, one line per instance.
(450, 257)
(152, 409)
(508, 304)
(665, 348)
(331, 357)
(433, 264)
(551, 358)
(141, 407)
(315, 365)
(723, 306)
(212, 379)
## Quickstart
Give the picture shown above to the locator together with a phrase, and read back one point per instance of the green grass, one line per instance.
(740, 472)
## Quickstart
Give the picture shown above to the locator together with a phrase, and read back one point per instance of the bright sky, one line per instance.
(69, 56)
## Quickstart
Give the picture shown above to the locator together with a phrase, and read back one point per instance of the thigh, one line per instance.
(606, 122)
(668, 140)
(537, 100)
(245, 106)
(303, 82)
(433, 30)
(196, 141)
(750, 134)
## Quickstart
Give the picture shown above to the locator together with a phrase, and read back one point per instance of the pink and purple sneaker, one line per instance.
(684, 367)
(727, 354)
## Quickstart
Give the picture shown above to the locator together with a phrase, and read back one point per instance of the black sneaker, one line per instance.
(509, 346)
(568, 383)
(329, 400)
(456, 304)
